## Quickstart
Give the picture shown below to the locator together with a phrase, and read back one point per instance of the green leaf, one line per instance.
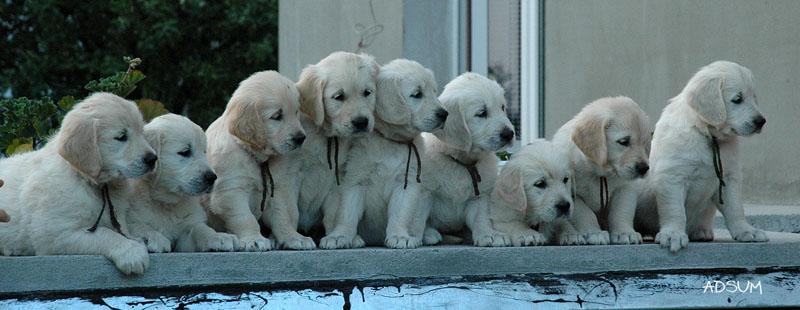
(66, 103)
(151, 109)
(19, 146)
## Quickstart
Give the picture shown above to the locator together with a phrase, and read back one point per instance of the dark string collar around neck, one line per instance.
(717, 166)
(266, 175)
(107, 200)
(473, 174)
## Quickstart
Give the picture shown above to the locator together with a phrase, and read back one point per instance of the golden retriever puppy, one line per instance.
(534, 189)
(695, 158)
(67, 203)
(608, 143)
(259, 122)
(166, 210)
(381, 194)
(338, 99)
(460, 159)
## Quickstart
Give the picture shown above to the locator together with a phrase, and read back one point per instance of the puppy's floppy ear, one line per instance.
(510, 188)
(706, 99)
(312, 87)
(391, 104)
(455, 132)
(245, 123)
(590, 137)
(156, 140)
(77, 143)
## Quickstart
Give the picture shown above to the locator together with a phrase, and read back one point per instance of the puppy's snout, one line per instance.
(209, 177)
(441, 115)
(642, 168)
(150, 160)
(507, 134)
(562, 207)
(360, 123)
(298, 139)
(759, 121)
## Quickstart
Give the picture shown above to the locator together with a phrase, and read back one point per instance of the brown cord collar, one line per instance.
(107, 198)
(717, 166)
(411, 146)
(335, 142)
(603, 193)
(266, 174)
(473, 174)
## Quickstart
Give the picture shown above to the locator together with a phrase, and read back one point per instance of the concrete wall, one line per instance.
(647, 50)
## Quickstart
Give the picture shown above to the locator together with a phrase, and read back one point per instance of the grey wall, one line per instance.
(647, 50)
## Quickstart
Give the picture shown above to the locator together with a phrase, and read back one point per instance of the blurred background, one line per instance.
(551, 56)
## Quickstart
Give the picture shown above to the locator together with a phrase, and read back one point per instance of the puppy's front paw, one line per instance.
(130, 258)
(222, 242)
(299, 243)
(750, 235)
(528, 238)
(674, 240)
(597, 237)
(492, 239)
(625, 237)
(431, 236)
(256, 244)
(402, 242)
(157, 243)
(337, 241)
(701, 235)
(571, 239)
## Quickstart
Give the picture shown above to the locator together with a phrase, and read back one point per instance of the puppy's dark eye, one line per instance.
(737, 99)
(277, 116)
(416, 95)
(482, 114)
(540, 184)
(185, 153)
(367, 92)
(624, 141)
(503, 108)
(122, 138)
(566, 180)
(338, 97)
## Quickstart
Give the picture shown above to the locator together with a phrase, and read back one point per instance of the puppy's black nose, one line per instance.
(360, 123)
(298, 139)
(642, 167)
(759, 121)
(150, 159)
(441, 115)
(507, 134)
(563, 207)
(209, 177)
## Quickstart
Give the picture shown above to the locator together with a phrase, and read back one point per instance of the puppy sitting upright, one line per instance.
(462, 161)
(259, 121)
(71, 202)
(166, 210)
(608, 143)
(380, 195)
(534, 189)
(695, 158)
(338, 99)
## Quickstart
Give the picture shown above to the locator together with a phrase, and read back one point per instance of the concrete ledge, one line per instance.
(769, 217)
(22, 276)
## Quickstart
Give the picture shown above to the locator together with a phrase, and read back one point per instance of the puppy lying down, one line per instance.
(166, 210)
(534, 189)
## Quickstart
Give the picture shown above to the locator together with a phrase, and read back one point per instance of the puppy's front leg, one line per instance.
(283, 216)
(621, 213)
(240, 221)
(155, 241)
(512, 223)
(733, 212)
(403, 206)
(199, 237)
(670, 199)
(585, 222)
(344, 233)
(478, 222)
(129, 256)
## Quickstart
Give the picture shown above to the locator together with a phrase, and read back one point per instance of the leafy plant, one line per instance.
(503, 155)
(121, 83)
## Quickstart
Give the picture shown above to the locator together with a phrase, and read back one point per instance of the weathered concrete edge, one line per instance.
(46, 274)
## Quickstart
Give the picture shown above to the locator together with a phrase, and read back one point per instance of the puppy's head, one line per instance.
(338, 93)
(478, 119)
(723, 95)
(182, 167)
(537, 181)
(407, 97)
(101, 137)
(614, 133)
(262, 114)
